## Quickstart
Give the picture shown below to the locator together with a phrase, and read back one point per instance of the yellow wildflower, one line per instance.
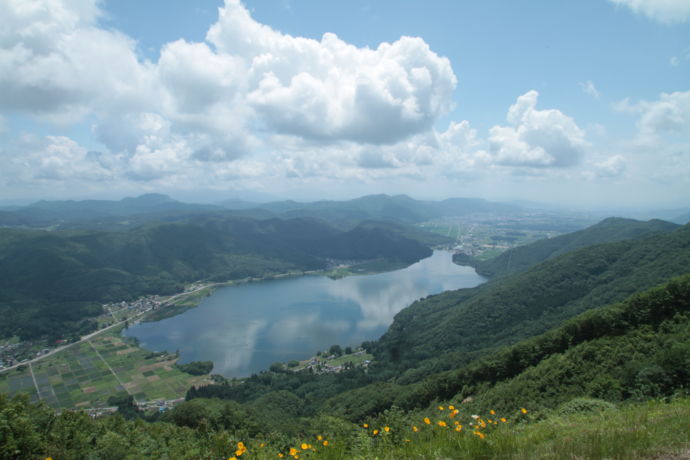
(262, 445)
(427, 421)
(366, 425)
(375, 432)
(458, 428)
(293, 451)
(280, 455)
(325, 443)
(319, 437)
(492, 412)
(442, 423)
(232, 458)
(503, 419)
(241, 449)
(451, 407)
(305, 446)
(523, 410)
(440, 408)
(386, 429)
(415, 429)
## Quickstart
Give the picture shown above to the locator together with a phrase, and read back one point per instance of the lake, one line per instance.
(245, 328)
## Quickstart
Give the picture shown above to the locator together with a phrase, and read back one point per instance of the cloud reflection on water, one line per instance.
(245, 328)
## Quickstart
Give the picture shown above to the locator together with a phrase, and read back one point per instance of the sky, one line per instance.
(582, 103)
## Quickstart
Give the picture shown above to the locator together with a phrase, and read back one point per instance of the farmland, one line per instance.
(85, 375)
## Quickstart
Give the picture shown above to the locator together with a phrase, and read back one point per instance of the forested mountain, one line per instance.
(636, 349)
(530, 302)
(523, 257)
(50, 280)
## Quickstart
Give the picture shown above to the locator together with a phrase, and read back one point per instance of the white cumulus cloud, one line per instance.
(536, 138)
(215, 101)
(331, 90)
(610, 167)
(668, 115)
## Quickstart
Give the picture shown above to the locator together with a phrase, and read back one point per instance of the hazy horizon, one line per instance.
(576, 104)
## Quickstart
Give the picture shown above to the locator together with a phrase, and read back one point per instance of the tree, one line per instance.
(335, 350)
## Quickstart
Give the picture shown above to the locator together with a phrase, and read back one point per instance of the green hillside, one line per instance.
(530, 302)
(637, 349)
(523, 257)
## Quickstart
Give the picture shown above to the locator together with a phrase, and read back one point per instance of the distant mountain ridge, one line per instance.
(99, 214)
(399, 208)
(49, 213)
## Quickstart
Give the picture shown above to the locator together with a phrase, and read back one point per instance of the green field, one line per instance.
(85, 375)
(366, 268)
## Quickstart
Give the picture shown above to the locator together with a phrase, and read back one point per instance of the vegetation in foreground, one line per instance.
(583, 428)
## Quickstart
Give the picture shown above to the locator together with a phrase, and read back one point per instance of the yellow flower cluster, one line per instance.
(293, 452)
(476, 425)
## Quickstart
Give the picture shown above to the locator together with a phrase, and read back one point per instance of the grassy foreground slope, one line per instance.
(638, 431)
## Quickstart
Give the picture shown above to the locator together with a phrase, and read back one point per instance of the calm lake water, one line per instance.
(245, 328)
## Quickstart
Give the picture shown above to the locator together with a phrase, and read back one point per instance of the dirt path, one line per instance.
(108, 366)
(33, 377)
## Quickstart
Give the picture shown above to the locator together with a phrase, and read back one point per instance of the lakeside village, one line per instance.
(14, 352)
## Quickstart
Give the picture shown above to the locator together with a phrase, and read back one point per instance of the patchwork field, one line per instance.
(85, 375)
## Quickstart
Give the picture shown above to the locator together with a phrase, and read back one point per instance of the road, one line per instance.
(100, 331)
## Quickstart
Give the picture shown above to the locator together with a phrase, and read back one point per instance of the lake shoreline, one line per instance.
(246, 329)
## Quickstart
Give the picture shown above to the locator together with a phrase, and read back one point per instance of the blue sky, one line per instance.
(583, 102)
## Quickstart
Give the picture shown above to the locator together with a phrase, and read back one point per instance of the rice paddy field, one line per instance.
(86, 374)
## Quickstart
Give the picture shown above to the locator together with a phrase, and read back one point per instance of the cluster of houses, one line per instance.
(130, 309)
(319, 366)
(160, 405)
(17, 353)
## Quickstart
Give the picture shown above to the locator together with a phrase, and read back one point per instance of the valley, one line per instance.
(288, 322)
